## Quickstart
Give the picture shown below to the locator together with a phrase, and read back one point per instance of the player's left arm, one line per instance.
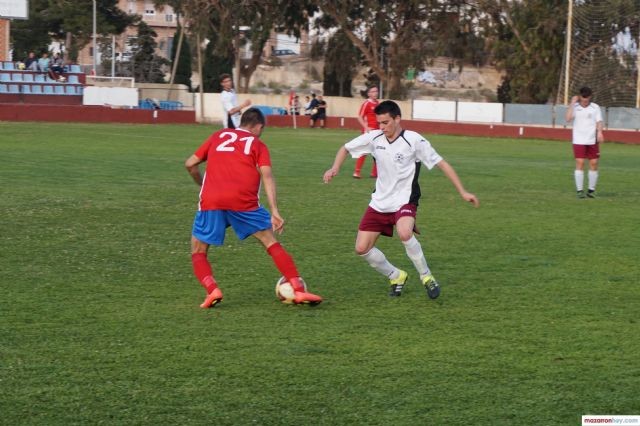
(448, 170)
(269, 183)
(599, 133)
(191, 165)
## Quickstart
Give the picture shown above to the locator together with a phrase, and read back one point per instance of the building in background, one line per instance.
(161, 19)
(5, 24)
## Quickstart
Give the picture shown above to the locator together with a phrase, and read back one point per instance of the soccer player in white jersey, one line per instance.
(587, 136)
(398, 154)
(232, 110)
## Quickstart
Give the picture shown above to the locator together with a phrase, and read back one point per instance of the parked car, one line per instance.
(283, 52)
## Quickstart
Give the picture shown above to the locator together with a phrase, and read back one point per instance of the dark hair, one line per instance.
(224, 77)
(251, 117)
(388, 107)
(586, 92)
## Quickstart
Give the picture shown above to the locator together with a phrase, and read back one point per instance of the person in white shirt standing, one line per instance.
(232, 111)
(587, 136)
(398, 154)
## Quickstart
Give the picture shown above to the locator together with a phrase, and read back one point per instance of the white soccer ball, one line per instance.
(285, 292)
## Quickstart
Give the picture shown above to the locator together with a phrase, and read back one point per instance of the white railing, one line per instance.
(98, 80)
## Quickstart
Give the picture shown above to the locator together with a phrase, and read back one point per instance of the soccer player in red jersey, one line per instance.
(368, 121)
(237, 163)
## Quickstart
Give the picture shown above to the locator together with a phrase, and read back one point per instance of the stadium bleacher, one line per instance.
(32, 85)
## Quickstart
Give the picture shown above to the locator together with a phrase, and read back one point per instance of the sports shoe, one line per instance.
(580, 194)
(396, 285)
(591, 193)
(432, 286)
(212, 299)
(306, 298)
(356, 175)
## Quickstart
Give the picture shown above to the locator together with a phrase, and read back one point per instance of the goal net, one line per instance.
(602, 52)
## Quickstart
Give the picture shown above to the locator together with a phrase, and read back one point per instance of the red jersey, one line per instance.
(368, 114)
(232, 180)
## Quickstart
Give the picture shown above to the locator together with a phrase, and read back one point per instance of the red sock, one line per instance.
(202, 270)
(286, 266)
(359, 163)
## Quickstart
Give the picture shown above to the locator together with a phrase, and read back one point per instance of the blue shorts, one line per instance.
(209, 226)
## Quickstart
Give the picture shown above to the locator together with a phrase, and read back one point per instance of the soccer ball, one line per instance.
(285, 292)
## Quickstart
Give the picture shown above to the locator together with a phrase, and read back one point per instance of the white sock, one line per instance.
(593, 179)
(579, 177)
(414, 251)
(377, 260)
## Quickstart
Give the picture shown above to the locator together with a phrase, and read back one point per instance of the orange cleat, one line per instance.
(306, 298)
(212, 299)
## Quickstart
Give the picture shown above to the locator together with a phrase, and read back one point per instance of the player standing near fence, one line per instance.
(586, 137)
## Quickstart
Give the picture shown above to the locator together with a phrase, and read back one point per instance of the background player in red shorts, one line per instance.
(368, 121)
(237, 162)
(586, 137)
(394, 203)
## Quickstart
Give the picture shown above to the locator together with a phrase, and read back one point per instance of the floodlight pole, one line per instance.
(95, 44)
(567, 62)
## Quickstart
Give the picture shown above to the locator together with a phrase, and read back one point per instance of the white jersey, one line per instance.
(229, 101)
(398, 165)
(584, 123)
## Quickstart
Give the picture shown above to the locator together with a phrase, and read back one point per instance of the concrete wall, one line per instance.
(336, 106)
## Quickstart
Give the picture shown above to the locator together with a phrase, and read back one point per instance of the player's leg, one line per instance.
(405, 226)
(594, 154)
(257, 223)
(359, 163)
(372, 225)
(287, 267)
(374, 168)
(578, 173)
(208, 227)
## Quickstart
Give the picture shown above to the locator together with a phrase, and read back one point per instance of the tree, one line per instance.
(68, 21)
(341, 60)
(145, 65)
(528, 46)
(262, 17)
(183, 70)
(396, 30)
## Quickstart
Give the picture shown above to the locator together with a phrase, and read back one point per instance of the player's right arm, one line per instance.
(362, 120)
(568, 116)
(191, 165)
(337, 163)
(277, 222)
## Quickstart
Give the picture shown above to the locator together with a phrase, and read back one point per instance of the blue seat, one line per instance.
(16, 77)
(58, 90)
(27, 78)
(40, 78)
(26, 89)
(48, 90)
(8, 66)
(79, 90)
(73, 79)
(14, 88)
(5, 77)
(75, 68)
(36, 89)
(70, 90)
(3, 88)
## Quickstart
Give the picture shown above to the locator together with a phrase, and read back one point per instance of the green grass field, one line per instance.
(537, 323)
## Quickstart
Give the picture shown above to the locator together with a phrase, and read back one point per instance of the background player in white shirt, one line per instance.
(398, 154)
(232, 111)
(587, 136)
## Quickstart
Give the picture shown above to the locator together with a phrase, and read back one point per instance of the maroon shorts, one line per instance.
(374, 221)
(591, 152)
